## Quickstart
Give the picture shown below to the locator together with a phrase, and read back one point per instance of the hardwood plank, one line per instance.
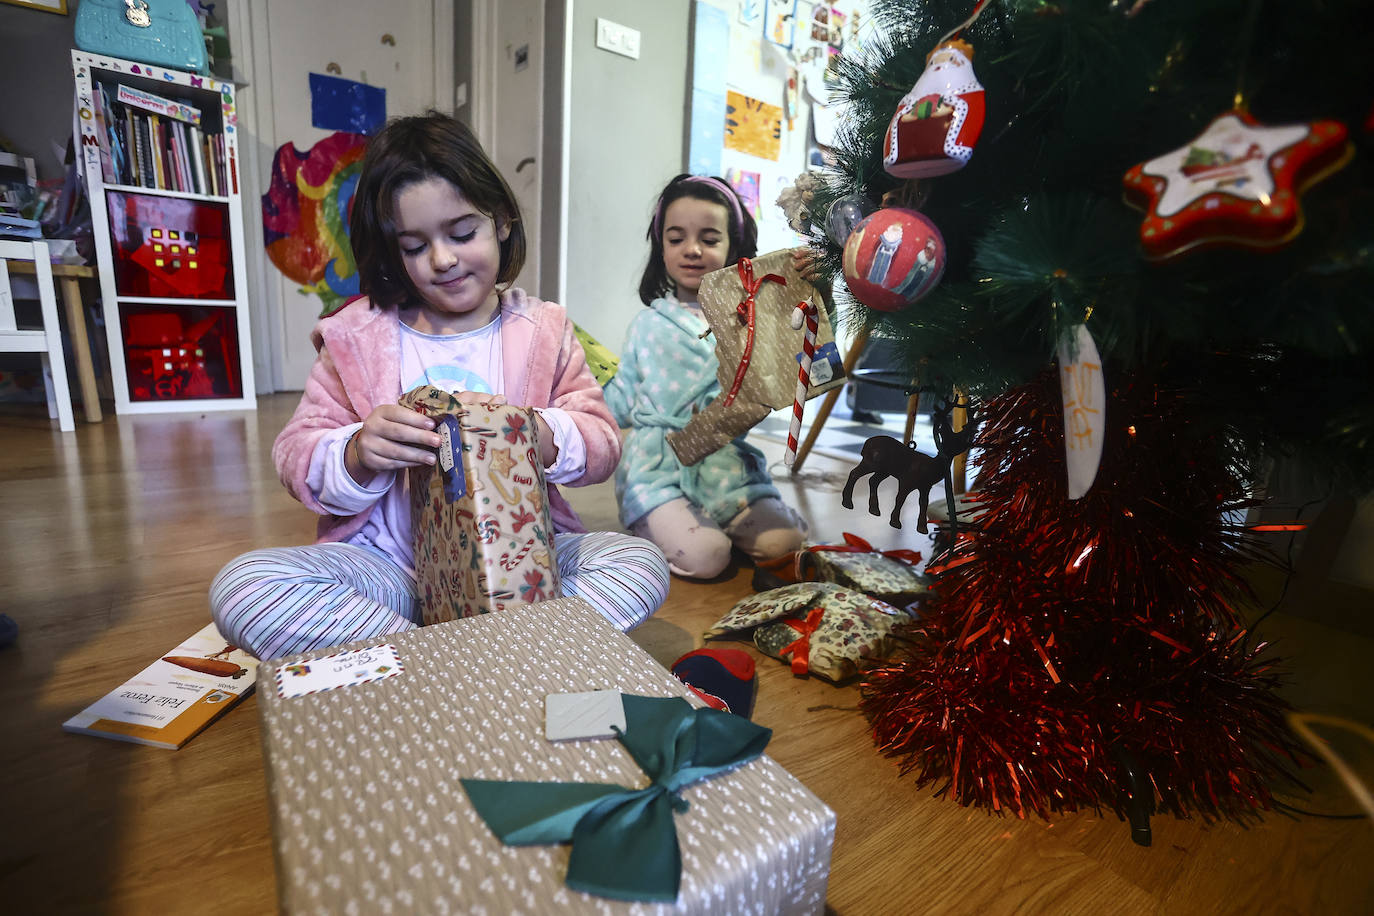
(109, 540)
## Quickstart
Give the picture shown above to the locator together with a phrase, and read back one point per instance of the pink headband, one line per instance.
(656, 227)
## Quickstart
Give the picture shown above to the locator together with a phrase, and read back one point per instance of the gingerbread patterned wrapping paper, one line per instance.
(818, 627)
(483, 534)
(769, 378)
(368, 814)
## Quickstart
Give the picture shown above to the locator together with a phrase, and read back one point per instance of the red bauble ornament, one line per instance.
(938, 122)
(1237, 183)
(892, 258)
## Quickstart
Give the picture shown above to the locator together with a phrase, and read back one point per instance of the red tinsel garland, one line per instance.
(1065, 637)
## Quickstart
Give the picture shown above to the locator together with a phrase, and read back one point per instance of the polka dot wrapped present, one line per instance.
(367, 776)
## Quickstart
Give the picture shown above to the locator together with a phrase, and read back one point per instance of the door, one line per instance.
(390, 45)
(508, 115)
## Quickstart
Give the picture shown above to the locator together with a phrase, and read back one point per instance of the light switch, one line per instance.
(617, 38)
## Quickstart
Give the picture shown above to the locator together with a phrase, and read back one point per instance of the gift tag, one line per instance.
(342, 669)
(451, 460)
(583, 715)
(825, 363)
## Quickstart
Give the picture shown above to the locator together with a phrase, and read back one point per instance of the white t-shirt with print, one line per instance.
(453, 362)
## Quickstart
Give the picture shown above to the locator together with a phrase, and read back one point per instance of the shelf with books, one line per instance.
(158, 192)
(161, 163)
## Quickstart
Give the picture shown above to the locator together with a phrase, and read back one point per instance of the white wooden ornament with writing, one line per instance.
(1085, 404)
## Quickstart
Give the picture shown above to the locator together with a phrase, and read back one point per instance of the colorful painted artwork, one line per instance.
(780, 22)
(746, 185)
(837, 30)
(752, 126)
(305, 216)
(820, 23)
(346, 105)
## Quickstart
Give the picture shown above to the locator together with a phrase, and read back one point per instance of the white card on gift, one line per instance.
(569, 716)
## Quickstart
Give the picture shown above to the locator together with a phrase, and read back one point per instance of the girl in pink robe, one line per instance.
(438, 239)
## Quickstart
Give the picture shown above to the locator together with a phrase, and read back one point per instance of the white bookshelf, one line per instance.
(172, 258)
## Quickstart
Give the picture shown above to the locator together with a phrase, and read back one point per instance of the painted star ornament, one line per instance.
(1236, 183)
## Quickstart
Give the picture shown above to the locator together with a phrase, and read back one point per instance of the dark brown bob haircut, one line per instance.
(407, 151)
(744, 234)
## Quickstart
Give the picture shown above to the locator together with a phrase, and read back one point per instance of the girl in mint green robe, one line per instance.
(695, 513)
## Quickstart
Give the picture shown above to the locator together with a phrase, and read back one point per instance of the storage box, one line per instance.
(369, 816)
(483, 533)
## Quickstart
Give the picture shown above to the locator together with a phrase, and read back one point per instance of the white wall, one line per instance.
(627, 120)
(758, 69)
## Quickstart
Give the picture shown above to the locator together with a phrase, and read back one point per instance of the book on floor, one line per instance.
(168, 702)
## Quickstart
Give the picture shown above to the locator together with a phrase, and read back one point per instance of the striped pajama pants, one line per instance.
(283, 600)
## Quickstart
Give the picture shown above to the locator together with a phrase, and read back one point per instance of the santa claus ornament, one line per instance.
(938, 122)
(1237, 183)
(893, 258)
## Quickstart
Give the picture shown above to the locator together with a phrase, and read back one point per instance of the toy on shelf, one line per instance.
(166, 360)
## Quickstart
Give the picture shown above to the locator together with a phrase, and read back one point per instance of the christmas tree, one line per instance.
(1179, 194)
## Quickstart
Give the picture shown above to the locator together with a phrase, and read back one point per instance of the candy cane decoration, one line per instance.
(805, 311)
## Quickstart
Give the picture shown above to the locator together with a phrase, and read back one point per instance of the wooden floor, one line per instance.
(110, 536)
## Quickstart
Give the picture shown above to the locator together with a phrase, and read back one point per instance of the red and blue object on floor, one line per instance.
(724, 678)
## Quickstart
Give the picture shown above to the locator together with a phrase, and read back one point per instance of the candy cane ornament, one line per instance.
(805, 311)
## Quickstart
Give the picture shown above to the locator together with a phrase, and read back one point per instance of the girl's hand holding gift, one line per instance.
(391, 438)
(804, 260)
(548, 450)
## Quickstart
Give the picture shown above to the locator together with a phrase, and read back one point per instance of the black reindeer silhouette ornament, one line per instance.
(884, 457)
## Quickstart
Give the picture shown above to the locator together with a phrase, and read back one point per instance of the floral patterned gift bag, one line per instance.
(483, 535)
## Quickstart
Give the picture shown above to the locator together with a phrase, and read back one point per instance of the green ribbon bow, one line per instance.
(624, 843)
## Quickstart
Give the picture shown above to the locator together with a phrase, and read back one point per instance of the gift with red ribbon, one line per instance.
(749, 307)
(800, 649)
(816, 627)
(745, 312)
(889, 575)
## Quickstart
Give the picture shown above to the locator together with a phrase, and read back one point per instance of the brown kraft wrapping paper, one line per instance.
(368, 814)
(770, 383)
(483, 534)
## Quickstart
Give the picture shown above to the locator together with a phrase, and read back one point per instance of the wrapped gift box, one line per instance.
(817, 627)
(888, 575)
(770, 378)
(483, 535)
(369, 816)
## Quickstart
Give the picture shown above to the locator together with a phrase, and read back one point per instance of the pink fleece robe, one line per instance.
(359, 367)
